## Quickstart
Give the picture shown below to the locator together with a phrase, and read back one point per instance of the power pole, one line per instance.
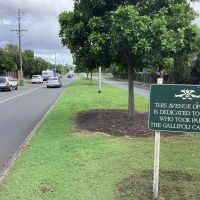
(19, 32)
(55, 62)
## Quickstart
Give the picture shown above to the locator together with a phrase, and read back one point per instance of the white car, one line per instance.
(54, 81)
(8, 83)
(37, 79)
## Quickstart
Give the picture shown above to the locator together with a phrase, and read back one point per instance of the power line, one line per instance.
(19, 32)
(29, 42)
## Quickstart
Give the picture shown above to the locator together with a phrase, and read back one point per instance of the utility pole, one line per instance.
(55, 62)
(19, 32)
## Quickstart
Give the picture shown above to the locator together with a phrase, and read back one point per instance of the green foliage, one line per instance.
(126, 32)
(28, 54)
(28, 61)
(9, 60)
(6, 62)
(13, 53)
(74, 32)
(169, 27)
(118, 71)
(130, 33)
(195, 71)
(40, 65)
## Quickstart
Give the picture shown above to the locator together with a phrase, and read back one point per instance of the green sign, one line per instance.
(174, 108)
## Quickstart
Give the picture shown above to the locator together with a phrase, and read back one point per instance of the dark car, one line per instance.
(69, 76)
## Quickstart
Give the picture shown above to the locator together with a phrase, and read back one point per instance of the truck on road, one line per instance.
(46, 74)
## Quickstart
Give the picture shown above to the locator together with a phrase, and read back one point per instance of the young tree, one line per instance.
(75, 31)
(74, 34)
(128, 41)
(150, 30)
(130, 32)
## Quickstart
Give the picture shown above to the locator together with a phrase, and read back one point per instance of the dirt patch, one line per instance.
(116, 123)
(44, 190)
(140, 186)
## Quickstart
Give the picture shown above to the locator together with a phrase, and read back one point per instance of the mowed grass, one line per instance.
(61, 163)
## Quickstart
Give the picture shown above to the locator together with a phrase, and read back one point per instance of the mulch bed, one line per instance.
(116, 123)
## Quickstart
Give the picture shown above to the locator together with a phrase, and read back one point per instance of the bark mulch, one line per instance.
(116, 123)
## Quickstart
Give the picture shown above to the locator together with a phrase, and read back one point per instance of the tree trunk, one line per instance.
(130, 60)
(131, 105)
(91, 75)
(87, 75)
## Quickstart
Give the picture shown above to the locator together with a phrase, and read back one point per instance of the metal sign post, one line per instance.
(156, 157)
(99, 91)
(156, 164)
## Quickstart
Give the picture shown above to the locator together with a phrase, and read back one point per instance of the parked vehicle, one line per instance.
(37, 79)
(8, 83)
(46, 74)
(54, 82)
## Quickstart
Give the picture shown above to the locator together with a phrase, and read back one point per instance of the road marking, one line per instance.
(20, 95)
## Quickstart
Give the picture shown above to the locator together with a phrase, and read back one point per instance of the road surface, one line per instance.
(20, 112)
(138, 89)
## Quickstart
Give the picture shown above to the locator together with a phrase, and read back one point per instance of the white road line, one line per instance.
(20, 95)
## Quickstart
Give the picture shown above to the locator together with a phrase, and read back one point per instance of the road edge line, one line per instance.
(13, 159)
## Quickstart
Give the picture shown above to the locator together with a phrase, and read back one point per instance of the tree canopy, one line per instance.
(6, 62)
(9, 60)
(130, 33)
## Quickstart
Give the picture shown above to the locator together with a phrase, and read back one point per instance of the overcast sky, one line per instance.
(40, 18)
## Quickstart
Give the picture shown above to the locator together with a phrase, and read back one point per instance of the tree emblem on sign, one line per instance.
(187, 94)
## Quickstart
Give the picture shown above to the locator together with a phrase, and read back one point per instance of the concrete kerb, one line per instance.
(13, 159)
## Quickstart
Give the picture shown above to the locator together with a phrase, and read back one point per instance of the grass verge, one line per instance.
(61, 163)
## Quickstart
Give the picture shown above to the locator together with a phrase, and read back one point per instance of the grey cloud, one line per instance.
(40, 18)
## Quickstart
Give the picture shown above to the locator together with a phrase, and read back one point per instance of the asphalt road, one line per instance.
(20, 112)
(138, 89)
